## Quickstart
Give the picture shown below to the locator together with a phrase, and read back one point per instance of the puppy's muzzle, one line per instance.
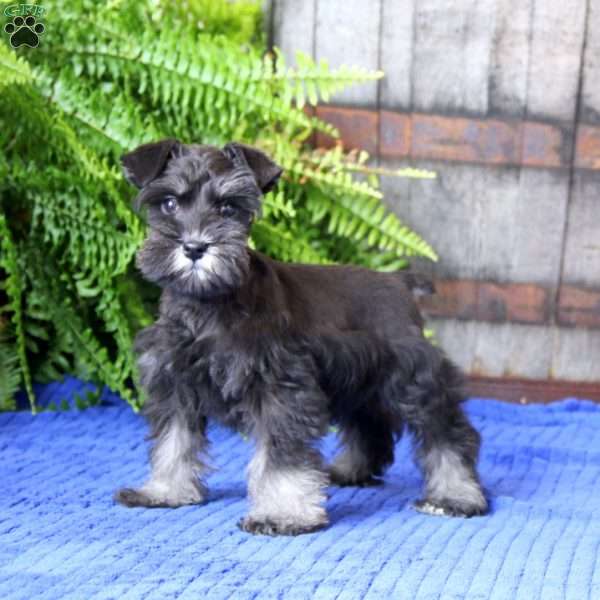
(194, 250)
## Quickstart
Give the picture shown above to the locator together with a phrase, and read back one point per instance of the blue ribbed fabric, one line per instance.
(62, 536)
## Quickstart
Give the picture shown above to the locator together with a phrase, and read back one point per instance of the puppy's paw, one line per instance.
(132, 498)
(150, 498)
(273, 527)
(450, 508)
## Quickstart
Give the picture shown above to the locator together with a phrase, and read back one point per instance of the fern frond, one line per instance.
(366, 220)
(125, 73)
(14, 288)
(311, 82)
(280, 241)
(10, 376)
(13, 69)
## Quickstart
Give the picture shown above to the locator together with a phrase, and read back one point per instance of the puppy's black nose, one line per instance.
(194, 250)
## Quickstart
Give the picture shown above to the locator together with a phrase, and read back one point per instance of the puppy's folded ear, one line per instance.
(266, 172)
(145, 163)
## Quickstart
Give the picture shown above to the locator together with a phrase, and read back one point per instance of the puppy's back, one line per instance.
(348, 297)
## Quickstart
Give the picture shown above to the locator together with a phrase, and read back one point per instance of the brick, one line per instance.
(544, 145)
(488, 301)
(395, 133)
(517, 303)
(456, 299)
(587, 147)
(486, 141)
(358, 127)
(398, 135)
(579, 307)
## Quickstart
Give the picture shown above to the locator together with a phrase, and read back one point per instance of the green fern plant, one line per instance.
(108, 77)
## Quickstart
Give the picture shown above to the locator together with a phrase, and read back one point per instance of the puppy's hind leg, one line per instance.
(368, 446)
(447, 445)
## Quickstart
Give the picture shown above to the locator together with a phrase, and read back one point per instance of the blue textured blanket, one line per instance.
(62, 536)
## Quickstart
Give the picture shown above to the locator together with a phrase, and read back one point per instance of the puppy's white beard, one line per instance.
(180, 263)
(198, 270)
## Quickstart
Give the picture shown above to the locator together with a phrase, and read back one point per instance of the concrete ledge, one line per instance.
(525, 391)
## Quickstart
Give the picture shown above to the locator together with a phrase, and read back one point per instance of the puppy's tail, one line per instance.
(417, 283)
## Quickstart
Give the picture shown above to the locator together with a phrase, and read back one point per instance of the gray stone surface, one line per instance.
(510, 58)
(582, 248)
(590, 93)
(293, 27)
(576, 354)
(524, 59)
(512, 350)
(500, 224)
(496, 349)
(347, 32)
(555, 58)
(396, 53)
(451, 55)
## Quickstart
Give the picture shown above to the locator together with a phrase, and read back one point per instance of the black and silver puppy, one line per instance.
(280, 351)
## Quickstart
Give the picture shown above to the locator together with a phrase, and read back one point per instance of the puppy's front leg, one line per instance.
(176, 469)
(286, 477)
(179, 438)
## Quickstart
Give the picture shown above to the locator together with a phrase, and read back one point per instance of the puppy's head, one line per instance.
(200, 202)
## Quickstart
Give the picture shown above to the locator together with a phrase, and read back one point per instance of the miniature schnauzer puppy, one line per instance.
(279, 352)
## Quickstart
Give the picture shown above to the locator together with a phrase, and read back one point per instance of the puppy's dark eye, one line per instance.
(227, 210)
(169, 205)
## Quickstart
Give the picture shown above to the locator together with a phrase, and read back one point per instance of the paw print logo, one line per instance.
(24, 31)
